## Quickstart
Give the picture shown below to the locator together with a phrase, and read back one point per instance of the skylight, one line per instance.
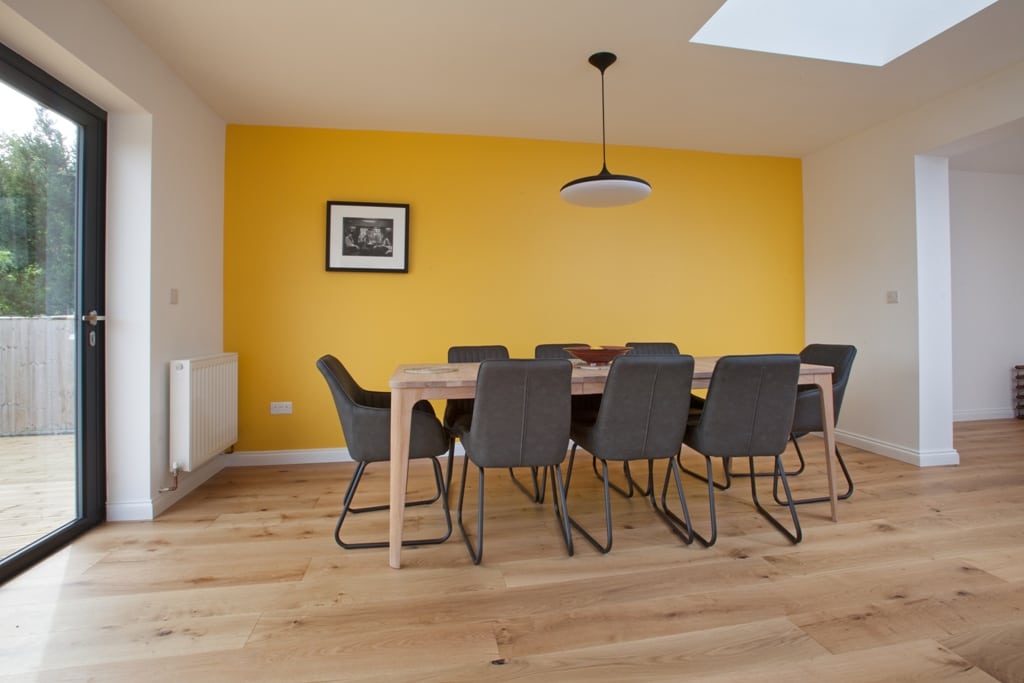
(871, 32)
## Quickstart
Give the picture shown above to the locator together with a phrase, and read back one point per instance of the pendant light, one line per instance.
(605, 188)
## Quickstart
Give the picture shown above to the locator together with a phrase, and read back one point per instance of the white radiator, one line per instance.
(204, 409)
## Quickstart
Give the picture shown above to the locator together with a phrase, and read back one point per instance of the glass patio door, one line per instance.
(52, 159)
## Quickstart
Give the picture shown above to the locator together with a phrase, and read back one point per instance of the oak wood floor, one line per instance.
(37, 487)
(921, 580)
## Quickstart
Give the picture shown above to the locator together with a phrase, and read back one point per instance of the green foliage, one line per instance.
(38, 193)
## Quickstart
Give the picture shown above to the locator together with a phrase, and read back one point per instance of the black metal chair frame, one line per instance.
(632, 486)
(540, 483)
(680, 527)
(476, 552)
(794, 536)
(815, 499)
(350, 493)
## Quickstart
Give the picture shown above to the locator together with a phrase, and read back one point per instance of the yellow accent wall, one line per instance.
(712, 260)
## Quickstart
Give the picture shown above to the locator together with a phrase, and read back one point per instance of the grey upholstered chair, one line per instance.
(365, 418)
(748, 413)
(520, 419)
(653, 348)
(642, 417)
(808, 416)
(581, 406)
(459, 411)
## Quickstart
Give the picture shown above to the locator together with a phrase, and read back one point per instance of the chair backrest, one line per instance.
(653, 348)
(749, 406)
(555, 350)
(807, 417)
(475, 354)
(365, 418)
(457, 409)
(521, 413)
(644, 407)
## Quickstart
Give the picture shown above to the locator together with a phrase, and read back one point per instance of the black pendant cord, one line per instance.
(601, 61)
(604, 144)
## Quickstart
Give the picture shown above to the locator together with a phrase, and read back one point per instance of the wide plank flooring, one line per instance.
(922, 579)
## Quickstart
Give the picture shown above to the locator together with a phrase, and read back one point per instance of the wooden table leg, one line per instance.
(401, 426)
(829, 432)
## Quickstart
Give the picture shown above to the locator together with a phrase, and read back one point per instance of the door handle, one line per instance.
(92, 317)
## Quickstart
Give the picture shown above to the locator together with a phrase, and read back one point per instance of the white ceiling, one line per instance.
(519, 69)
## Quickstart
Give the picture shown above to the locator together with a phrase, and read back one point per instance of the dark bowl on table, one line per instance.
(598, 356)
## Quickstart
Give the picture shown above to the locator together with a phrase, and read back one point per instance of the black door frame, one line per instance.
(90, 413)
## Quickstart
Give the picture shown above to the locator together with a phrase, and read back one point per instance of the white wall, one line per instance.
(987, 217)
(862, 239)
(165, 199)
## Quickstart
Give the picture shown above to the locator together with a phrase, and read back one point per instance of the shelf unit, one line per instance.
(1018, 391)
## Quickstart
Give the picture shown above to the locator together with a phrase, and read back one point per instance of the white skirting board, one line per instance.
(299, 457)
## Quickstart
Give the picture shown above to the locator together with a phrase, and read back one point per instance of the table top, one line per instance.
(418, 375)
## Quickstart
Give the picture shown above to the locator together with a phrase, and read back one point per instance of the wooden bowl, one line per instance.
(598, 356)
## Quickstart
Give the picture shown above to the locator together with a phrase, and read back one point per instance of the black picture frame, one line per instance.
(367, 237)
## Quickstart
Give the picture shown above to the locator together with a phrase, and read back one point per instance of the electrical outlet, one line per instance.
(280, 407)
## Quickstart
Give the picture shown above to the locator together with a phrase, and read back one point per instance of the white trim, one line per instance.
(983, 414)
(297, 457)
(131, 511)
(293, 457)
(934, 458)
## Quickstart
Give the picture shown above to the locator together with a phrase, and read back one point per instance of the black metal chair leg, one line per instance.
(568, 470)
(631, 485)
(800, 456)
(644, 491)
(449, 467)
(817, 499)
(542, 485)
(797, 534)
(709, 478)
(539, 485)
(346, 503)
(681, 527)
(561, 507)
(607, 514)
(710, 540)
(475, 554)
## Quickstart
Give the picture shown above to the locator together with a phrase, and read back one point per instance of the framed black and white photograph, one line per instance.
(368, 237)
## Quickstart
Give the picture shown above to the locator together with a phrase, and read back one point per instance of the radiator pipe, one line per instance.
(168, 489)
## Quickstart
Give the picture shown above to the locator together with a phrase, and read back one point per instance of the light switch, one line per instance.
(892, 296)
(174, 295)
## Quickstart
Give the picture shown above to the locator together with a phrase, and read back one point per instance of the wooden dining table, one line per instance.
(413, 382)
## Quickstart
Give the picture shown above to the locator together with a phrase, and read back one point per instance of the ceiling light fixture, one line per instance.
(605, 188)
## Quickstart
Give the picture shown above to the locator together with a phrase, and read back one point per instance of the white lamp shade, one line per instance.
(605, 190)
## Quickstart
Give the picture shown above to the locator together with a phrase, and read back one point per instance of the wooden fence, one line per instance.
(37, 375)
